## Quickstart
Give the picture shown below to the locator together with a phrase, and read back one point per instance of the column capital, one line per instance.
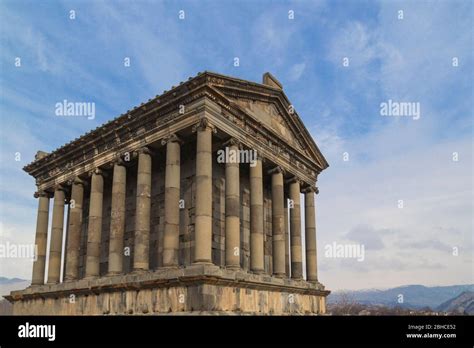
(76, 181)
(172, 138)
(144, 150)
(66, 189)
(123, 158)
(232, 142)
(42, 193)
(276, 170)
(97, 171)
(294, 179)
(61, 187)
(310, 188)
(204, 124)
(118, 160)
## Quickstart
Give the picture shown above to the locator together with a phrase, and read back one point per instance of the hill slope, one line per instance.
(462, 304)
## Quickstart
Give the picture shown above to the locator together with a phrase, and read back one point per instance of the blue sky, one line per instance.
(390, 158)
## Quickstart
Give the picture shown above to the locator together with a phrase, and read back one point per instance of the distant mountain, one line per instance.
(4, 280)
(10, 284)
(462, 304)
(409, 296)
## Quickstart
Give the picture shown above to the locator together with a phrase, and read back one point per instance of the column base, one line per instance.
(202, 262)
(91, 277)
(112, 274)
(52, 283)
(169, 267)
(233, 268)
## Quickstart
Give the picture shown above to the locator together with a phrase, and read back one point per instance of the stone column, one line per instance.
(56, 242)
(117, 218)
(257, 263)
(295, 231)
(142, 216)
(203, 221)
(41, 238)
(172, 191)
(232, 206)
(94, 230)
(74, 230)
(278, 224)
(310, 229)
(287, 239)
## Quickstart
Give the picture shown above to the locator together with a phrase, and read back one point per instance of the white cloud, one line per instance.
(296, 71)
(437, 195)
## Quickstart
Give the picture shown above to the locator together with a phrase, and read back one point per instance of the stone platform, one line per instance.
(197, 289)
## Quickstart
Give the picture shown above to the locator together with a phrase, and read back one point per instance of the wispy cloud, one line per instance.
(296, 71)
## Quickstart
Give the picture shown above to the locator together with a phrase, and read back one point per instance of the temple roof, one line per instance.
(227, 85)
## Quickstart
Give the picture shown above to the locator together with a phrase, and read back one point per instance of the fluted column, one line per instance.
(94, 230)
(41, 238)
(74, 230)
(232, 207)
(257, 263)
(310, 240)
(278, 224)
(172, 191)
(56, 241)
(203, 222)
(142, 216)
(117, 218)
(295, 231)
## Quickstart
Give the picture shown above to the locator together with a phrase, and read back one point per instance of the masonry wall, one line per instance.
(188, 195)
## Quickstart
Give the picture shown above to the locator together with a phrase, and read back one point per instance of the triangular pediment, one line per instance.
(271, 109)
(270, 117)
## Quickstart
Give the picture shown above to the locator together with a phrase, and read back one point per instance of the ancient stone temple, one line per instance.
(189, 203)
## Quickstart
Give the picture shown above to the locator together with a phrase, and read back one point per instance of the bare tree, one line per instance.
(346, 305)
